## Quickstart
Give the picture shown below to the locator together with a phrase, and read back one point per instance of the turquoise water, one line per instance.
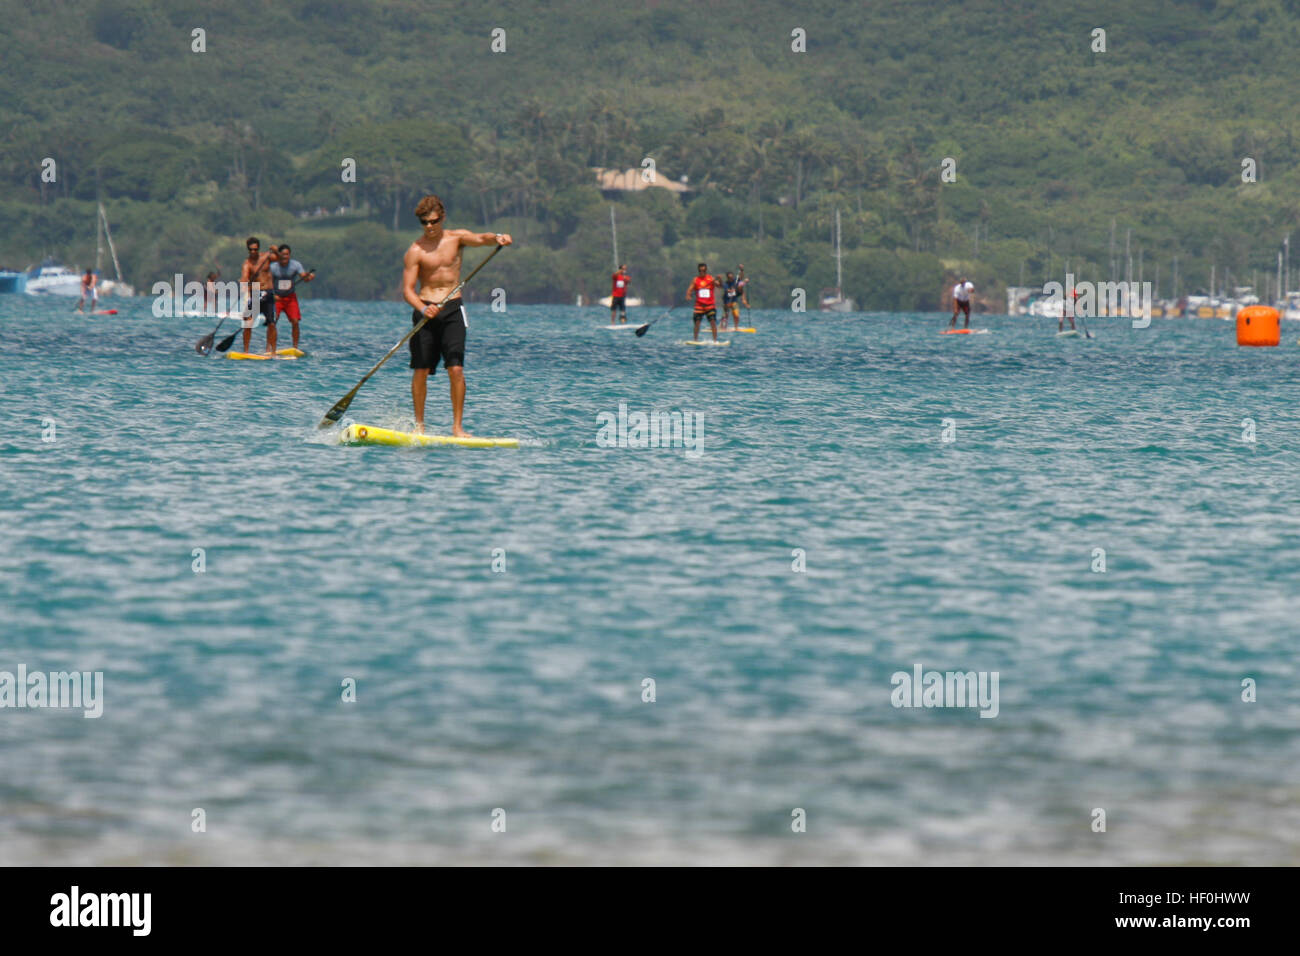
(522, 689)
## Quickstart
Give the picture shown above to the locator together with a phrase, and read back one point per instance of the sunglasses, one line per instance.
(433, 222)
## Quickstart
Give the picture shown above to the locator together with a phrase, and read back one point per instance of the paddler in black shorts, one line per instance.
(257, 269)
(702, 293)
(430, 271)
(731, 292)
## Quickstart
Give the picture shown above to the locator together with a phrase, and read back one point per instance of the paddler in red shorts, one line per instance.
(286, 273)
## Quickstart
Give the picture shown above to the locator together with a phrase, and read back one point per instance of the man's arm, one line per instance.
(411, 279)
(468, 238)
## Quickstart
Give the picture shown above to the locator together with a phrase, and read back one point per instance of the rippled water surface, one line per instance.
(522, 689)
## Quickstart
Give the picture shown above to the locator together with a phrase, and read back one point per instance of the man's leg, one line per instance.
(713, 324)
(952, 323)
(456, 381)
(270, 338)
(696, 336)
(294, 325)
(419, 388)
(966, 309)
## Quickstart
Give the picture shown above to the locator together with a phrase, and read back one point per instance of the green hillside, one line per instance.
(1055, 145)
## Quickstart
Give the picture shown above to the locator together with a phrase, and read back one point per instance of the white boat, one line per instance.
(1048, 307)
(50, 278)
(834, 300)
(631, 301)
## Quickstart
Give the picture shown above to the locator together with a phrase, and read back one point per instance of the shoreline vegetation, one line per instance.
(1120, 164)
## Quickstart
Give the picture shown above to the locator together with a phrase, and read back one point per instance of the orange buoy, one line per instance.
(1259, 325)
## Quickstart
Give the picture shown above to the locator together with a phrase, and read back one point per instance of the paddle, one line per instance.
(341, 406)
(1086, 333)
(641, 330)
(225, 344)
(744, 294)
(204, 345)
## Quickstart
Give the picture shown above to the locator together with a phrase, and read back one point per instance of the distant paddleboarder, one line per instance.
(618, 296)
(1060, 323)
(430, 271)
(733, 292)
(961, 301)
(89, 290)
(286, 273)
(210, 292)
(257, 268)
(701, 293)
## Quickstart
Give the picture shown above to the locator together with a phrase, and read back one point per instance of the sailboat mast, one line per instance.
(613, 228)
(103, 221)
(99, 240)
(839, 273)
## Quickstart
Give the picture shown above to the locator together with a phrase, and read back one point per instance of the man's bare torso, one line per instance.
(262, 277)
(438, 264)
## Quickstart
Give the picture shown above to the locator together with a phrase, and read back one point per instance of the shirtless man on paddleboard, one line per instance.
(257, 269)
(430, 271)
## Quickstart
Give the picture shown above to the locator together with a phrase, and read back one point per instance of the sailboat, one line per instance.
(834, 300)
(631, 301)
(109, 286)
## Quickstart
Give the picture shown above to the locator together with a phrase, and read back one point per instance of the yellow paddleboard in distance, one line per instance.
(263, 357)
(704, 342)
(371, 435)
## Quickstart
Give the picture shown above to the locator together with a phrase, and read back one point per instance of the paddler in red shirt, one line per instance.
(618, 296)
(703, 293)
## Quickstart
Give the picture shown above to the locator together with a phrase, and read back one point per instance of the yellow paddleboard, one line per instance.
(737, 330)
(263, 357)
(704, 342)
(370, 435)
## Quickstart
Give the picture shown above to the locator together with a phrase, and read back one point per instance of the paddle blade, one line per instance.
(204, 345)
(642, 329)
(229, 340)
(334, 414)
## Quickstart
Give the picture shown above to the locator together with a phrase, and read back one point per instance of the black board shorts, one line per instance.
(265, 305)
(710, 314)
(618, 302)
(443, 337)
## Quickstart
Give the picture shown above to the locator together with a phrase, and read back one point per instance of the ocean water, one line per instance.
(519, 692)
